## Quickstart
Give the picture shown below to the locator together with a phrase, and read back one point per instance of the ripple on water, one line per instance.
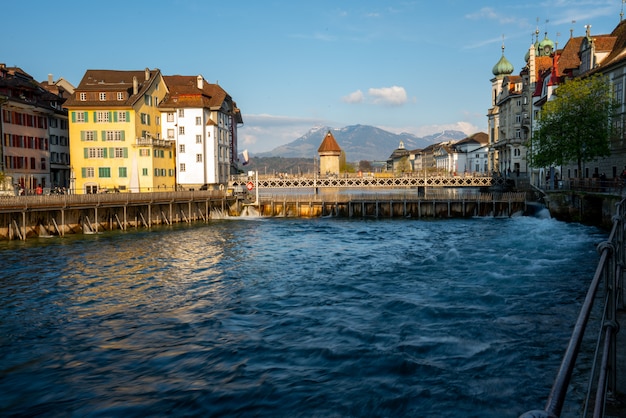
(292, 317)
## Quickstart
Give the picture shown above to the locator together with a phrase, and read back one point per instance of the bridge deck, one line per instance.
(367, 182)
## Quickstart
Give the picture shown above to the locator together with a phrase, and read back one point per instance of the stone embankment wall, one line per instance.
(587, 208)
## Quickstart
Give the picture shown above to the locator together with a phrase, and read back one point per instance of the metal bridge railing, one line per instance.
(603, 377)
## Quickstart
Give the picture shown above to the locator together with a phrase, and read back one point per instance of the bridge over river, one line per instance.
(359, 182)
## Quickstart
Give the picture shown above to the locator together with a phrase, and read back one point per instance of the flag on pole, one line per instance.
(244, 157)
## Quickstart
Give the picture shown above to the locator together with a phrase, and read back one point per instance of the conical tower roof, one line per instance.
(329, 144)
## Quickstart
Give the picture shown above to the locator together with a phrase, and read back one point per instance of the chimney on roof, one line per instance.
(135, 85)
(200, 82)
(50, 81)
(147, 74)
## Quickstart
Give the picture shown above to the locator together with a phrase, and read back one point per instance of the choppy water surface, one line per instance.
(292, 317)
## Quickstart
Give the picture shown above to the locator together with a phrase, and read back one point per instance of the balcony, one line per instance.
(151, 142)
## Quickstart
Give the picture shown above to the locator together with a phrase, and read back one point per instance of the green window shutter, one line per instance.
(148, 119)
(83, 172)
(123, 136)
(82, 135)
(103, 135)
(111, 152)
(95, 116)
(114, 116)
(86, 150)
(125, 152)
(110, 115)
(104, 152)
(127, 116)
(73, 117)
(87, 116)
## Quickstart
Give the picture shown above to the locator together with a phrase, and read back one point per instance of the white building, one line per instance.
(202, 119)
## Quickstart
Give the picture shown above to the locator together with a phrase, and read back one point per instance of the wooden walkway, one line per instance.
(355, 182)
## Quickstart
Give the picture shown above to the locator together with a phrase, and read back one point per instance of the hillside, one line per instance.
(360, 142)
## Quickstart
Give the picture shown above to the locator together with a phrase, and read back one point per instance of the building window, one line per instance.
(144, 171)
(120, 152)
(120, 95)
(83, 97)
(181, 149)
(198, 139)
(88, 172)
(121, 117)
(102, 96)
(181, 130)
(170, 116)
(123, 172)
(147, 100)
(170, 134)
(114, 135)
(96, 153)
(157, 120)
(198, 158)
(518, 133)
(198, 120)
(181, 113)
(80, 116)
(102, 117)
(104, 172)
(145, 119)
(183, 167)
(88, 135)
(144, 152)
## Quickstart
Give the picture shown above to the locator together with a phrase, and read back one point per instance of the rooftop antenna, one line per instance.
(571, 31)
(621, 13)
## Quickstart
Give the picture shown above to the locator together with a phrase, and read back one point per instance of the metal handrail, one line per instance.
(609, 273)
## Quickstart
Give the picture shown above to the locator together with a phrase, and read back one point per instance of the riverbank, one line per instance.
(593, 209)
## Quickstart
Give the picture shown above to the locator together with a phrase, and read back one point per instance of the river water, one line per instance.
(288, 317)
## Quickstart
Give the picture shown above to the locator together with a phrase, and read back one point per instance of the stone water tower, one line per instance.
(330, 155)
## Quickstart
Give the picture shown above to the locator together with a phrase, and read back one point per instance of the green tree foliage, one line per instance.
(574, 127)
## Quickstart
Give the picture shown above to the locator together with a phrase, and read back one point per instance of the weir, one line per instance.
(22, 217)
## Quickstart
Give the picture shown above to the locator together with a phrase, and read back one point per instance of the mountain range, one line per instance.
(360, 142)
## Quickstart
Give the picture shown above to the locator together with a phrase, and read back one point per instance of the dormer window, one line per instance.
(120, 95)
(103, 97)
(83, 97)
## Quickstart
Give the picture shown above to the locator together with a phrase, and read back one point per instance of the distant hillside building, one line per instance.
(330, 155)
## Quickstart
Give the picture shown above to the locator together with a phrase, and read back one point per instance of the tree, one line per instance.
(575, 127)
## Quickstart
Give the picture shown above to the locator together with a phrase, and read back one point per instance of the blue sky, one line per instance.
(404, 66)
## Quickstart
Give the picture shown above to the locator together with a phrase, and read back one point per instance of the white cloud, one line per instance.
(394, 95)
(354, 97)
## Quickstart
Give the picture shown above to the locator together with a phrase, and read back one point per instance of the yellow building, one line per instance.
(115, 133)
